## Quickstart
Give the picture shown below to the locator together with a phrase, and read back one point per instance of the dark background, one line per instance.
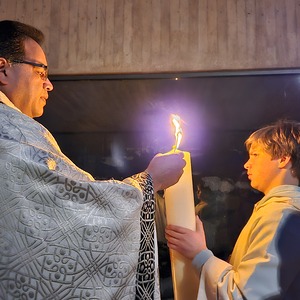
(112, 126)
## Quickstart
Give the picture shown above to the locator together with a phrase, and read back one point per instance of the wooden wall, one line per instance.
(154, 36)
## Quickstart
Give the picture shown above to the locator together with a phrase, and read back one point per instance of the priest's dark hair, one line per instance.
(12, 36)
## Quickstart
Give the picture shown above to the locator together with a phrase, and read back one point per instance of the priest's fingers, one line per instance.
(166, 169)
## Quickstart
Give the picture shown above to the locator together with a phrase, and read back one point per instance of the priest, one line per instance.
(63, 234)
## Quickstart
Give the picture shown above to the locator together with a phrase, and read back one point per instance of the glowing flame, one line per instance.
(178, 130)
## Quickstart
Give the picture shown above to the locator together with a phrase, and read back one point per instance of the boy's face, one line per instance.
(263, 171)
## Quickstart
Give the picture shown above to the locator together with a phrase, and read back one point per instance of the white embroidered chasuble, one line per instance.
(64, 235)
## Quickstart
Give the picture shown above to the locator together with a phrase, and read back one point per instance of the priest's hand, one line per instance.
(166, 169)
(185, 241)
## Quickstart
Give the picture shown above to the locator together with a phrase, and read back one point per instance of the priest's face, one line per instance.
(28, 85)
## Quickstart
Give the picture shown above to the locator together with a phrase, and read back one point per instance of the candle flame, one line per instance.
(178, 131)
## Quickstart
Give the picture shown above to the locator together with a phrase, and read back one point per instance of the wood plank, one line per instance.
(128, 33)
(156, 25)
(174, 30)
(222, 33)
(292, 33)
(92, 33)
(281, 49)
(212, 32)
(192, 47)
(203, 36)
(42, 11)
(55, 40)
(269, 10)
(184, 16)
(145, 16)
(251, 24)
(165, 36)
(118, 39)
(297, 34)
(241, 31)
(82, 29)
(232, 30)
(137, 25)
(73, 41)
(64, 35)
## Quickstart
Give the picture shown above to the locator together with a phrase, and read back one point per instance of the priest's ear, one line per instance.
(3, 74)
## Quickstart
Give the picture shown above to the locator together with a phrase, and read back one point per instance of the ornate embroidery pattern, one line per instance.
(146, 267)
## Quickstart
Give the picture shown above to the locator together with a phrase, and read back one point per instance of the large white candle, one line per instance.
(180, 210)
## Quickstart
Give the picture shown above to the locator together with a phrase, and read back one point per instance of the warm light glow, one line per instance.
(178, 130)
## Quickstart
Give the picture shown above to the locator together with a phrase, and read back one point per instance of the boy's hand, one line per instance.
(185, 241)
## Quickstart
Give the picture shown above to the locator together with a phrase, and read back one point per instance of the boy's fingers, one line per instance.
(176, 228)
(173, 234)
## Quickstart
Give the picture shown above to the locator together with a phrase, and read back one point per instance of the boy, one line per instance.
(265, 263)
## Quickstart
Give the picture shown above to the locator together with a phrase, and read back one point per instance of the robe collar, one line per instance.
(6, 101)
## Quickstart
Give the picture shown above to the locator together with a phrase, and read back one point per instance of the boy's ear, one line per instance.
(284, 161)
